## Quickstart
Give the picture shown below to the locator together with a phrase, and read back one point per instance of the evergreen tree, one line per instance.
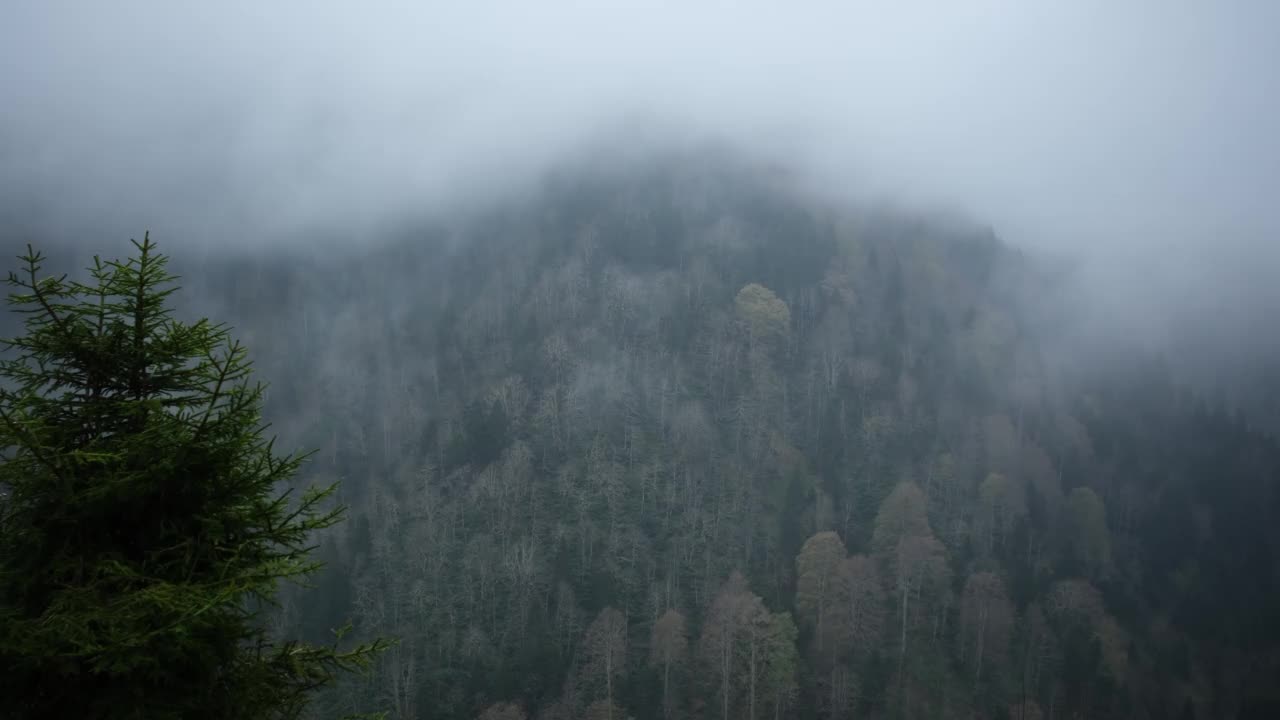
(143, 529)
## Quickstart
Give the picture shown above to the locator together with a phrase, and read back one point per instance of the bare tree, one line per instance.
(669, 645)
(817, 589)
(986, 621)
(604, 653)
(1090, 537)
(902, 514)
(400, 680)
(1001, 502)
(918, 565)
(863, 598)
(720, 632)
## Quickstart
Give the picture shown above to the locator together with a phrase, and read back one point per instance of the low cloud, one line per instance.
(1137, 138)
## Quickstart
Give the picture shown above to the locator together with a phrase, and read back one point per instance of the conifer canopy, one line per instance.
(145, 520)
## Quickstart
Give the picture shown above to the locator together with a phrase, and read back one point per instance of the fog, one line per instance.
(1139, 138)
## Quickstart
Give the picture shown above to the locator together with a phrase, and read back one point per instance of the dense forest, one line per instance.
(680, 441)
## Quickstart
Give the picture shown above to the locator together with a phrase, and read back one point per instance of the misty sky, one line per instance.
(1145, 133)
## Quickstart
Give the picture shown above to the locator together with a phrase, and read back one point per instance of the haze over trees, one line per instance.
(677, 441)
(673, 360)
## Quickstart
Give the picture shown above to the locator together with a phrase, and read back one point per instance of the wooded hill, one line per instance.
(677, 441)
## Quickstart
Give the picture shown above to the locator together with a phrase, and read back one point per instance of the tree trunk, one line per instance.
(725, 656)
(903, 657)
(666, 687)
(831, 701)
(608, 677)
(982, 636)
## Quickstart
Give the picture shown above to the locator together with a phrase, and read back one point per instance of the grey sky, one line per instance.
(1146, 133)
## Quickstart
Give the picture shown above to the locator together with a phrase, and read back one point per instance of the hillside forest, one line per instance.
(681, 442)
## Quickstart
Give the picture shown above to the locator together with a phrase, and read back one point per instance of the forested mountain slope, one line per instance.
(678, 442)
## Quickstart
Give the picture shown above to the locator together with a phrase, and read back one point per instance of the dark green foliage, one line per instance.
(142, 525)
